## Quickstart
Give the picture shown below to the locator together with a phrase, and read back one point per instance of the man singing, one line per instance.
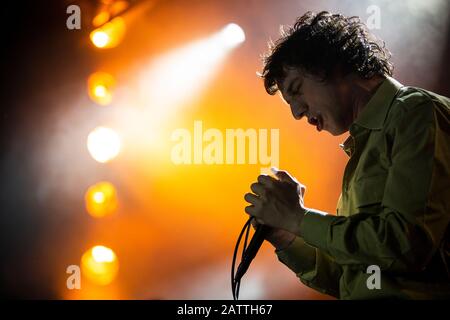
(394, 210)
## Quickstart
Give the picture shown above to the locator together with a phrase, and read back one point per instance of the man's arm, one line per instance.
(415, 212)
(314, 268)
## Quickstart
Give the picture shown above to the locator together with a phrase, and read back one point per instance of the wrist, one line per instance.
(283, 243)
(296, 227)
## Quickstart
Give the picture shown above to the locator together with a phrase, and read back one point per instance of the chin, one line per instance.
(336, 132)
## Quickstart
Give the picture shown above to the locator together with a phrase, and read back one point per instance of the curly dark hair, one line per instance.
(318, 43)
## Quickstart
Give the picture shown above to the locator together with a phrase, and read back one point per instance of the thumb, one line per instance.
(283, 175)
(286, 177)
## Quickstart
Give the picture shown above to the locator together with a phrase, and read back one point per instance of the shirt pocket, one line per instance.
(368, 191)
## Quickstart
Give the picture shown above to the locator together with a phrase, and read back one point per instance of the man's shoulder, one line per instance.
(409, 98)
(413, 102)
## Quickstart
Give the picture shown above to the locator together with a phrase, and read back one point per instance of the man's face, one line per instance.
(326, 105)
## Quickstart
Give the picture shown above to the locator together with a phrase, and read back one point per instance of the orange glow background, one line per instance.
(175, 226)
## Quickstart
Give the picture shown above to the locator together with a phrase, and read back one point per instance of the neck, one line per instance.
(363, 90)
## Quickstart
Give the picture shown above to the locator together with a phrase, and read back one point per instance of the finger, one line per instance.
(259, 221)
(266, 180)
(302, 189)
(274, 170)
(258, 189)
(284, 176)
(251, 210)
(251, 198)
(254, 223)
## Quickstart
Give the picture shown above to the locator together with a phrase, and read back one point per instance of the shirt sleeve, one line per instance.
(407, 231)
(314, 268)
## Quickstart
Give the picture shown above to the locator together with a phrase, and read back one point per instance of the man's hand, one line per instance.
(277, 203)
(279, 238)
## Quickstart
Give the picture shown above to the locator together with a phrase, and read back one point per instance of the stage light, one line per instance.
(117, 7)
(179, 76)
(101, 18)
(100, 265)
(99, 38)
(100, 91)
(100, 87)
(101, 199)
(233, 35)
(103, 144)
(110, 34)
(102, 254)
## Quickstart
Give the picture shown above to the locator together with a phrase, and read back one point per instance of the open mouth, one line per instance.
(316, 121)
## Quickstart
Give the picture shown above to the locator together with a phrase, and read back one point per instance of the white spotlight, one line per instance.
(169, 83)
(180, 75)
(233, 35)
(103, 144)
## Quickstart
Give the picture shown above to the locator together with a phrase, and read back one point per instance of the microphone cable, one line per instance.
(248, 254)
(235, 282)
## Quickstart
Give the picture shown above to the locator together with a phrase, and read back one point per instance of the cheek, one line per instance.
(314, 101)
(335, 115)
(332, 105)
(320, 103)
(320, 97)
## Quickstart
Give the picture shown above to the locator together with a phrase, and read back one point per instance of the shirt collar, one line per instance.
(375, 111)
(348, 145)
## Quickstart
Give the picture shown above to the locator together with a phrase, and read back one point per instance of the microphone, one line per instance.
(249, 252)
(252, 249)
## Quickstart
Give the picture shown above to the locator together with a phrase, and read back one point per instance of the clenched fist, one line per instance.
(277, 203)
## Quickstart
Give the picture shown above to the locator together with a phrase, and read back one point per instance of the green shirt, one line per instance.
(394, 209)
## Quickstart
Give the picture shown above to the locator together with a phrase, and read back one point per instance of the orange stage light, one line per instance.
(100, 265)
(118, 7)
(101, 199)
(100, 87)
(110, 34)
(101, 18)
